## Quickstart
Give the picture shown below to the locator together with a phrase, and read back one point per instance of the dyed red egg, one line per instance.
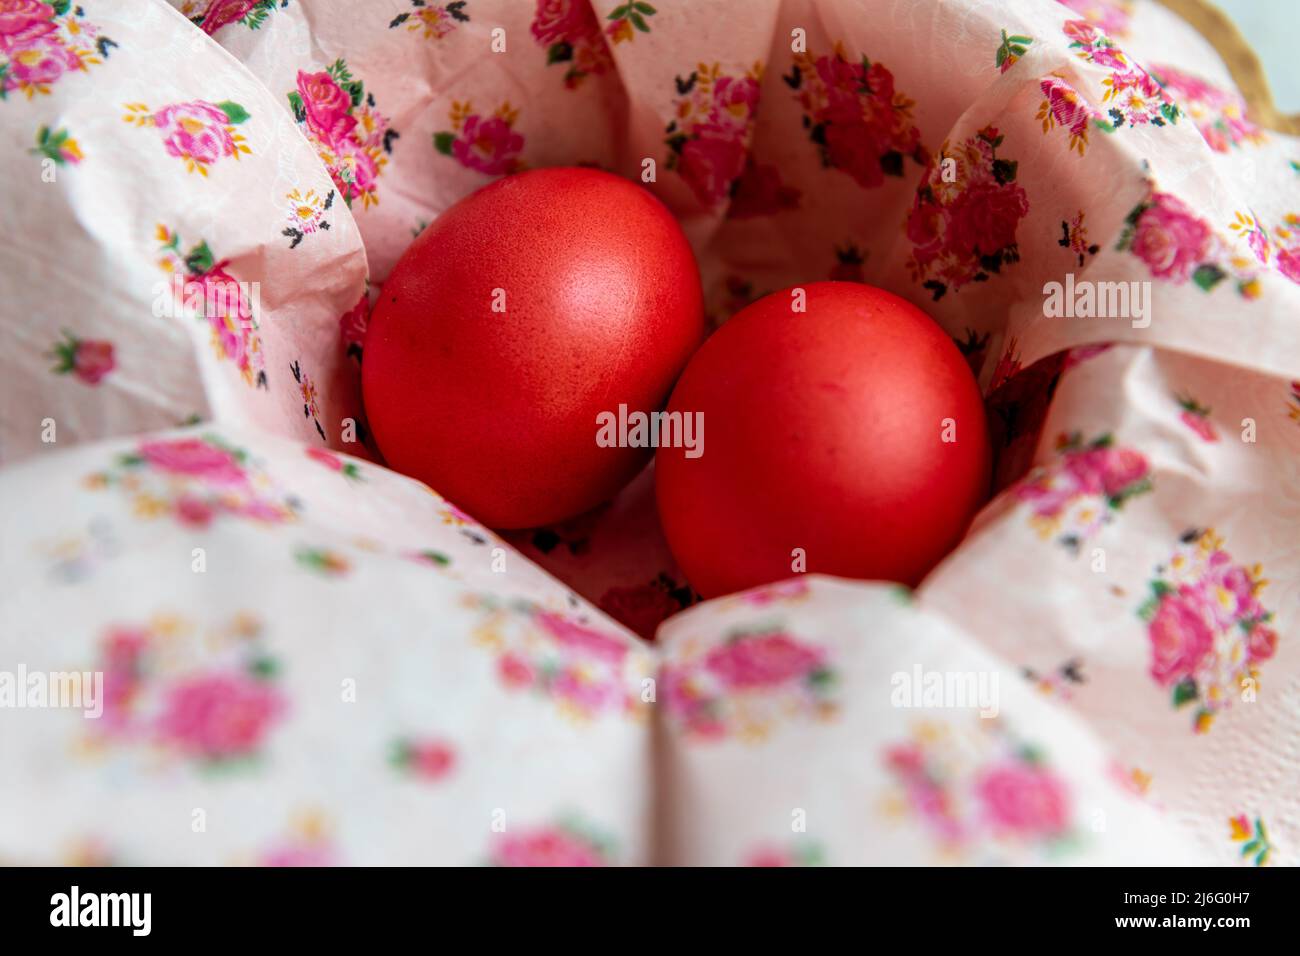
(513, 321)
(849, 438)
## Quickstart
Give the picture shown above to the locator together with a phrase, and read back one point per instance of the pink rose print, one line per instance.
(431, 760)
(432, 20)
(88, 360)
(1133, 95)
(198, 132)
(1220, 116)
(487, 144)
(569, 844)
(571, 34)
(222, 12)
(194, 458)
(1207, 628)
(1170, 238)
(42, 42)
(218, 712)
(1074, 499)
(352, 138)
(203, 288)
(746, 685)
(763, 661)
(1181, 635)
(708, 136)
(1065, 106)
(582, 638)
(983, 795)
(327, 108)
(965, 231)
(859, 124)
(251, 13)
(1024, 799)
(193, 479)
(1178, 245)
(23, 22)
(219, 716)
(588, 672)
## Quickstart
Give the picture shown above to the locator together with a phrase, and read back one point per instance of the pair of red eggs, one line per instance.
(518, 352)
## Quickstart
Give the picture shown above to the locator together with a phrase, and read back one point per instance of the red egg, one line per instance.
(824, 436)
(520, 315)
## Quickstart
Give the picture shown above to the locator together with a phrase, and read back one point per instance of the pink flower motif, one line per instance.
(90, 360)
(762, 661)
(735, 101)
(327, 107)
(560, 21)
(1068, 108)
(1024, 800)
(1288, 263)
(43, 62)
(710, 161)
(197, 130)
(1181, 634)
(94, 360)
(194, 458)
(582, 638)
(547, 847)
(222, 12)
(984, 218)
(1170, 238)
(23, 22)
(488, 145)
(219, 715)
